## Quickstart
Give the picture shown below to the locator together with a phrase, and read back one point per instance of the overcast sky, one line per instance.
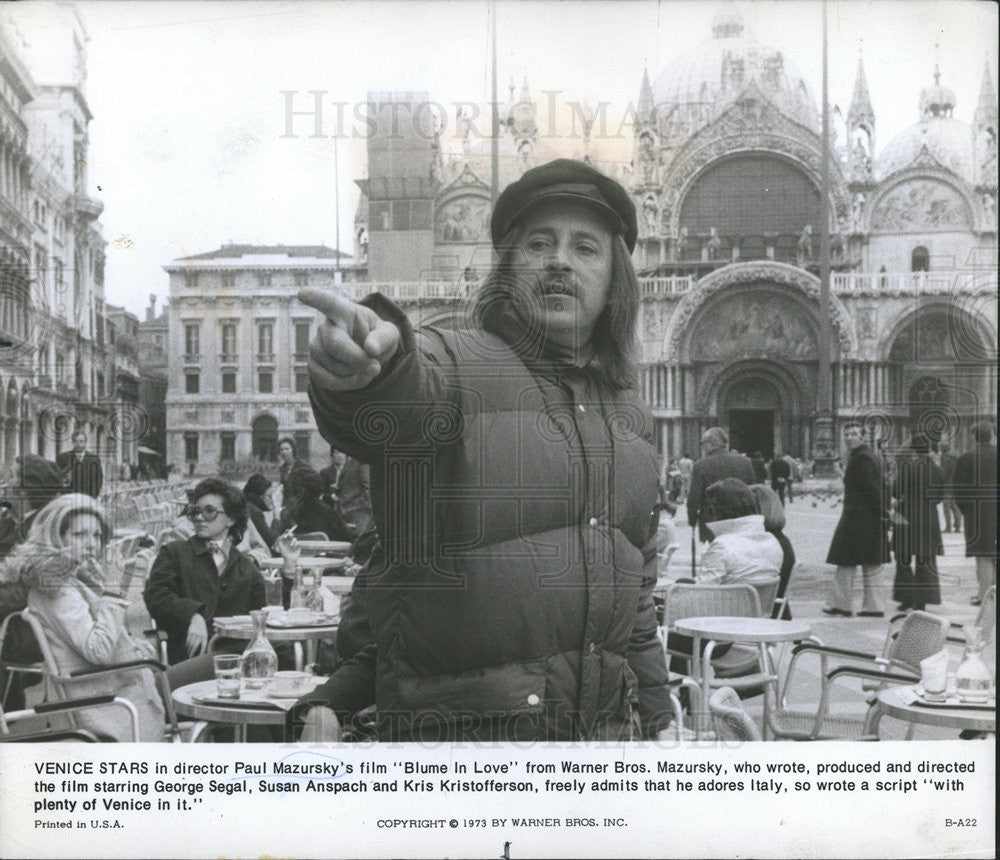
(186, 141)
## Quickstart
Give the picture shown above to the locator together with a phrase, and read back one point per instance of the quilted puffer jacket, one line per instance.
(513, 582)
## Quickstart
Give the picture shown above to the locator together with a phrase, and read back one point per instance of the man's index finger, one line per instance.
(335, 307)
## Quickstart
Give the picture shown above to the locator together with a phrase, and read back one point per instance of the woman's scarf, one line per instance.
(43, 560)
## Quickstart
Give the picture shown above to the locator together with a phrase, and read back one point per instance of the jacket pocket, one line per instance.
(512, 688)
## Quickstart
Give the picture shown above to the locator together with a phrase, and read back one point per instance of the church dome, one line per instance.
(946, 139)
(707, 78)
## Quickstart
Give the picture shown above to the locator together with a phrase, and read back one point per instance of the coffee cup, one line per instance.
(290, 683)
(227, 675)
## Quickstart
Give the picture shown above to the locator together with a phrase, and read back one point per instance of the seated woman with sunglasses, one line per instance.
(77, 598)
(195, 580)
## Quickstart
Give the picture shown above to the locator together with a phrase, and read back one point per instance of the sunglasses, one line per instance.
(207, 513)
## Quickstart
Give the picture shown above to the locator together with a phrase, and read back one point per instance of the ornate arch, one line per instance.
(752, 125)
(741, 274)
(974, 215)
(785, 380)
(963, 323)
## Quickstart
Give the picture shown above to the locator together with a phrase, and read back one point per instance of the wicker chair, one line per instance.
(730, 721)
(841, 711)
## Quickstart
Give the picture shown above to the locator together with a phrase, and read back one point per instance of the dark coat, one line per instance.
(860, 536)
(708, 470)
(514, 588)
(184, 582)
(313, 515)
(918, 488)
(285, 476)
(354, 494)
(256, 511)
(781, 472)
(975, 485)
(81, 475)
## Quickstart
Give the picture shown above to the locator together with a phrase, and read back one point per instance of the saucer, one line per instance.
(931, 697)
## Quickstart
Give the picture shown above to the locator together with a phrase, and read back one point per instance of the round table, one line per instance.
(737, 629)
(902, 703)
(315, 547)
(309, 633)
(310, 562)
(239, 713)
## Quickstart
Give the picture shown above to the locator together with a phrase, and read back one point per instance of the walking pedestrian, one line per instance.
(916, 532)
(860, 537)
(975, 486)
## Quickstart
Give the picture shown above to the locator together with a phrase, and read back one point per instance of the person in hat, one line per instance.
(512, 482)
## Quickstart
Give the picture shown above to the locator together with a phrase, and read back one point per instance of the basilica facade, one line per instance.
(726, 172)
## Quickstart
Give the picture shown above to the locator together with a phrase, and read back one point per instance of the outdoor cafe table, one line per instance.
(309, 634)
(737, 629)
(904, 703)
(254, 707)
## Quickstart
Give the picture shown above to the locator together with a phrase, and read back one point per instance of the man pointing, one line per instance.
(512, 483)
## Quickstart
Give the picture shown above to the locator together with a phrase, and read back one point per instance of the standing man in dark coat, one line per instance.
(916, 532)
(717, 462)
(82, 472)
(513, 478)
(781, 476)
(860, 536)
(976, 496)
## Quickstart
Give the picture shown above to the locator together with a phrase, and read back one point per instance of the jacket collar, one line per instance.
(750, 524)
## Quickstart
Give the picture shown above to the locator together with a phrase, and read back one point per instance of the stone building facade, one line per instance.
(726, 171)
(237, 350)
(57, 359)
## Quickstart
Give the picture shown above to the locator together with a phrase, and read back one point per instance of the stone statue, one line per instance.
(651, 212)
(857, 211)
(713, 244)
(804, 250)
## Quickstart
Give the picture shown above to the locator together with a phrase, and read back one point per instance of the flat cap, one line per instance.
(570, 180)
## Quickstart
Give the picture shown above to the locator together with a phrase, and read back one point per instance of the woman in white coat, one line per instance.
(77, 598)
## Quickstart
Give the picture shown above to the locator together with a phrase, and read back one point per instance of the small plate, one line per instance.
(939, 698)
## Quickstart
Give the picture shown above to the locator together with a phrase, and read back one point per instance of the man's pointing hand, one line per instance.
(352, 344)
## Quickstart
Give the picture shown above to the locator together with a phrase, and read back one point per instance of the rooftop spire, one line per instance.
(861, 112)
(986, 108)
(645, 107)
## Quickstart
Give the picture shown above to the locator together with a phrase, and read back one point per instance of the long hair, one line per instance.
(769, 505)
(615, 342)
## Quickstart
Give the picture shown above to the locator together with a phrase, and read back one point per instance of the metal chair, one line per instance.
(690, 600)
(15, 667)
(61, 683)
(986, 619)
(54, 733)
(730, 720)
(840, 711)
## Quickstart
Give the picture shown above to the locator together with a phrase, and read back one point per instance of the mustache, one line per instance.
(558, 283)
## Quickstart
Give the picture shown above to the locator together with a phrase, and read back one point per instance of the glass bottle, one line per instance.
(973, 678)
(298, 595)
(259, 662)
(316, 599)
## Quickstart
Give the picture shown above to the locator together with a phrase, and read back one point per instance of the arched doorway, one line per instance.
(762, 405)
(750, 408)
(265, 437)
